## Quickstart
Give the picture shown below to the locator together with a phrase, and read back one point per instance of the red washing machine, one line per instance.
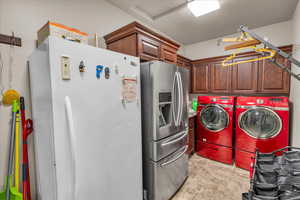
(215, 128)
(261, 123)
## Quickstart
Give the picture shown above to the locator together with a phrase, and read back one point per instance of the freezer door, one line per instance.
(164, 178)
(165, 82)
(169, 145)
(95, 123)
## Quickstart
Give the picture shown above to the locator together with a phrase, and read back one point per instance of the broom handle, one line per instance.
(17, 149)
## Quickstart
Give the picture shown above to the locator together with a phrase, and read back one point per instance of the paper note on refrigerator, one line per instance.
(129, 89)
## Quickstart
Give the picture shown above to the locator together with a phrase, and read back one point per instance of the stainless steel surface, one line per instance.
(182, 150)
(185, 85)
(173, 102)
(169, 145)
(167, 176)
(159, 77)
(165, 128)
(180, 89)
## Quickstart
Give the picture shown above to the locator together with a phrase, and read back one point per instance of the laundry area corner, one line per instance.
(149, 100)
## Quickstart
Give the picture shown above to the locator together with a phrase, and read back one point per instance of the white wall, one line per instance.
(295, 84)
(25, 17)
(279, 34)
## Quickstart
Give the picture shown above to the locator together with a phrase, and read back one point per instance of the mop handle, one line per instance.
(11, 149)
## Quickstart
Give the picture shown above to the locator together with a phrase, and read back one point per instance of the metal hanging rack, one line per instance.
(255, 40)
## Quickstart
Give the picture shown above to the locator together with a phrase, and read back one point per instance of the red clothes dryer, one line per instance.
(215, 128)
(261, 123)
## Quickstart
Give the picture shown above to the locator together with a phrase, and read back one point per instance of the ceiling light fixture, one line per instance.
(202, 7)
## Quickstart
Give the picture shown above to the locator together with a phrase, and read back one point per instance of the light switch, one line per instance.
(65, 68)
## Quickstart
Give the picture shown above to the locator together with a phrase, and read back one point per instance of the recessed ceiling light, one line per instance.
(202, 7)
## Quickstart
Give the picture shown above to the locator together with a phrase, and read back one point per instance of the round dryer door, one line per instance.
(260, 123)
(214, 118)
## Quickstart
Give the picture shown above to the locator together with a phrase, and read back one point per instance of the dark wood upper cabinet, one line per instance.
(184, 62)
(124, 45)
(168, 54)
(273, 79)
(148, 49)
(245, 76)
(207, 75)
(260, 77)
(200, 78)
(187, 64)
(220, 78)
(137, 40)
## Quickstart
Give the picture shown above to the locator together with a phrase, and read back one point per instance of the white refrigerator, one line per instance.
(87, 122)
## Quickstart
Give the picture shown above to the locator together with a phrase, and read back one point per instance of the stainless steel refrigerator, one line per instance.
(165, 90)
(87, 121)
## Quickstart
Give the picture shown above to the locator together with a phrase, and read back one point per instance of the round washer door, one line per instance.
(214, 118)
(260, 123)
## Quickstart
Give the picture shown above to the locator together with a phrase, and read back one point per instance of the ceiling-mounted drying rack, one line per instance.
(10, 40)
(249, 39)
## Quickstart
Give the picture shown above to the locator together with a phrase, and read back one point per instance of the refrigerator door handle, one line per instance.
(176, 158)
(72, 140)
(173, 100)
(176, 140)
(181, 98)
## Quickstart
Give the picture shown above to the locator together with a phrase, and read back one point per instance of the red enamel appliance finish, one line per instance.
(215, 152)
(243, 159)
(215, 145)
(224, 137)
(245, 144)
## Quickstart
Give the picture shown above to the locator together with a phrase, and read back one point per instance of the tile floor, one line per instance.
(210, 180)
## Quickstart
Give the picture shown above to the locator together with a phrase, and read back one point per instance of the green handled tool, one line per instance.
(9, 193)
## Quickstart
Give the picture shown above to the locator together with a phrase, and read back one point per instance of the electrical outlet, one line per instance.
(65, 68)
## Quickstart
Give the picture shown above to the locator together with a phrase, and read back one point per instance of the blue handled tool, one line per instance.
(99, 70)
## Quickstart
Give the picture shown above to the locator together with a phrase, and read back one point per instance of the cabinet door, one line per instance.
(168, 54)
(191, 140)
(200, 78)
(272, 78)
(220, 78)
(125, 45)
(189, 67)
(245, 76)
(180, 62)
(148, 48)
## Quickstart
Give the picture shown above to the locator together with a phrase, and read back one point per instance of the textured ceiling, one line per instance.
(183, 27)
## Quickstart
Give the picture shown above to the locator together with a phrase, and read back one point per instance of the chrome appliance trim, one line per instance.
(175, 140)
(181, 97)
(220, 107)
(176, 158)
(173, 99)
(253, 108)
